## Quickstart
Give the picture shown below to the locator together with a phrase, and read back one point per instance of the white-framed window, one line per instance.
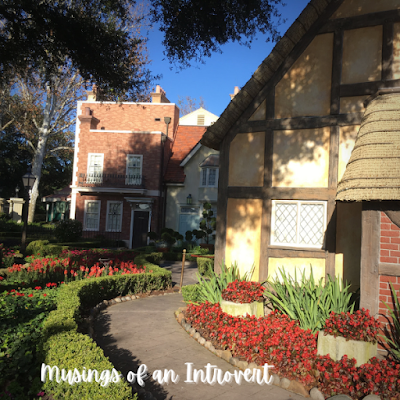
(134, 163)
(298, 223)
(114, 216)
(95, 168)
(92, 215)
(209, 177)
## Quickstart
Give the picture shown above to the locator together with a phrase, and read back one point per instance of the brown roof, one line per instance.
(60, 195)
(216, 132)
(186, 139)
(373, 171)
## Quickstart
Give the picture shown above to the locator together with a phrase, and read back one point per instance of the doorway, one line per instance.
(140, 228)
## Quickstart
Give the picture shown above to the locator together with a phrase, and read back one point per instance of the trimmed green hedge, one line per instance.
(205, 266)
(66, 348)
(191, 293)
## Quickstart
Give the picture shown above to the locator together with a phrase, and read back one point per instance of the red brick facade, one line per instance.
(116, 131)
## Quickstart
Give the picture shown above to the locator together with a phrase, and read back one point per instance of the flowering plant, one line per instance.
(357, 326)
(243, 292)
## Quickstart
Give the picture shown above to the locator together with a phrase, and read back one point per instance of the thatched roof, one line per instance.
(216, 132)
(373, 172)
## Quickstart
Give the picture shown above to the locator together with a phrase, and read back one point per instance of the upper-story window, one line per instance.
(209, 171)
(134, 163)
(95, 168)
(298, 223)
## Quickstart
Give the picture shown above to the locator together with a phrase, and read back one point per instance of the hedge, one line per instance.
(205, 266)
(66, 348)
(190, 293)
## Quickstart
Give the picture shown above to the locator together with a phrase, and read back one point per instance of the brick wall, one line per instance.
(390, 241)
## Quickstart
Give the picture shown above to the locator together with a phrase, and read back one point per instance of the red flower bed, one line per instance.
(357, 326)
(243, 292)
(279, 341)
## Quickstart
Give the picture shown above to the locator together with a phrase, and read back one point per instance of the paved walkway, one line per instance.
(145, 331)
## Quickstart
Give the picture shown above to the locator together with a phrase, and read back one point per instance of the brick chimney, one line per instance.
(235, 92)
(159, 96)
(92, 95)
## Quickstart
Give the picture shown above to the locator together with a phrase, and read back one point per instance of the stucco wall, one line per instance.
(301, 158)
(296, 265)
(306, 88)
(246, 155)
(243, 235)
(352, 104)
(352, 8)
(362, 55)
(348, 135)
(176, 195)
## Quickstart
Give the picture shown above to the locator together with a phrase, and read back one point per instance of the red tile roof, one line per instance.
(186, 139)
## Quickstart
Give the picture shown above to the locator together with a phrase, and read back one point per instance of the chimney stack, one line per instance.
(235, 92)
(159, 96)
(92, 95)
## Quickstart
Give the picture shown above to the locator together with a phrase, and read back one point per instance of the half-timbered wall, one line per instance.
(294, 141)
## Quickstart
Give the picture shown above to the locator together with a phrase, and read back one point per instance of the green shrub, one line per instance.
(37, 246)
(205, 266)
(307, 301)
(191, 293)
(69, 230)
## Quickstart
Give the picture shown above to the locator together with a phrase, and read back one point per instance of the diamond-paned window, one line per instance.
(298, 223)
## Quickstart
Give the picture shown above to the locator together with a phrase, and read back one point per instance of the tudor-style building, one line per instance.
(285, 141)
(121, 153)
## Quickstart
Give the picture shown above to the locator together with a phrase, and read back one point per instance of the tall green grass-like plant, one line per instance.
(393, 331)
(308, 301)
(211, 289)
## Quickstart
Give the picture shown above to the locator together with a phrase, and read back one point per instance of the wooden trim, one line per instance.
(389, 269)
(336, 72)
(302, 122)
(278, 252)
(265, 238)
(387, 52)
(366, 88)
(222, 206)
(281, 193)
(369, 279)
(361, 21)
(330, 239)
(334, 157)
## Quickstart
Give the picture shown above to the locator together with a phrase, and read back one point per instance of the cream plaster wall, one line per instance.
(296, 265)
(352, 104)
(362, 55)
(396, 51)
(191, 118)
(246, 159)
(301, 158)
(306, 87)
(348, 242)
(243, 235)
(176, 195)
(347, 138)
(260, 113)
(352, 8)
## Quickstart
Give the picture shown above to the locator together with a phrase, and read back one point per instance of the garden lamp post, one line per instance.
(28, 180)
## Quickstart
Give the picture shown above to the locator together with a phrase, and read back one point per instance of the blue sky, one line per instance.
(216, 79)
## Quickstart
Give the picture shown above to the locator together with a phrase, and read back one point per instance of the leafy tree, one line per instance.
(188, 104)
(196, 28)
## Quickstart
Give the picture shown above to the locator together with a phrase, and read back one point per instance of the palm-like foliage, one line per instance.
(393, 332)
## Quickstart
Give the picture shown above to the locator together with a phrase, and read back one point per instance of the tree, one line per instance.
(189, 104)
(196, 28)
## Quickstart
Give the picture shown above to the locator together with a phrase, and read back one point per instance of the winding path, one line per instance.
(145, 331)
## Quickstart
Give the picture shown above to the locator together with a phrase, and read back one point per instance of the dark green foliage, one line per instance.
(69, 230)
(191, 293)
(36, 247)
(392, 331)
(205, 266)
(195, 29)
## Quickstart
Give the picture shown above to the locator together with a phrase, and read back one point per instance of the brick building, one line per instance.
(121, 153)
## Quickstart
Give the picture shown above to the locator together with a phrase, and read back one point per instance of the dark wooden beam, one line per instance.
(366, 88)
(370, 240)
(336, 72)
(265, 238)
(389, 269)
(334, 157)
(330, 239)
(361, 21)
(387, 52)
(276, 252)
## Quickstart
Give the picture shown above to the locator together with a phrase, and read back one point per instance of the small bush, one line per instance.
(37, 246)
(205, 266)
(69, 230)
(191, 293)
